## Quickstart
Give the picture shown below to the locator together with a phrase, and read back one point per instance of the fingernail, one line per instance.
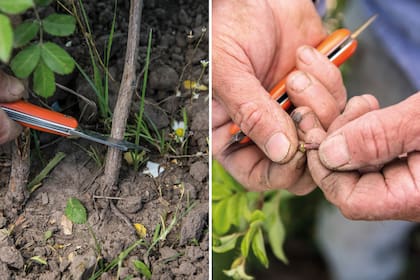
(15, 87)
(334, 152)
(277, 147)
(296, 117)
(299, 82)
(306, 55)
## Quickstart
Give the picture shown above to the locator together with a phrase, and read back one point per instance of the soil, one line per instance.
(75, 251)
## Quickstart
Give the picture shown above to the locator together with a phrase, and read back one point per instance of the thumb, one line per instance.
(374, 138)
(11, 89)
(258, 115)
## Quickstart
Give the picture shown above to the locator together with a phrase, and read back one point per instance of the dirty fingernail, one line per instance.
(334, 151)
(306, 55)
(296, 117)
(299, 82)
(277, 147)
(15, 87)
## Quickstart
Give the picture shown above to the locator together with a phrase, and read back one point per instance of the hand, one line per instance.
(255, 44)
(370, 166)
(11, 89)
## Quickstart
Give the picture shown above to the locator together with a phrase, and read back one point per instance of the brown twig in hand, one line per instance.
(303, 147)
(122, 108)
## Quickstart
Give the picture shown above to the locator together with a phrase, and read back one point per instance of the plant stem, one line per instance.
(122, 108)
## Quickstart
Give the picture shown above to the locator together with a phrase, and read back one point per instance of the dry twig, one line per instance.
(125, 94)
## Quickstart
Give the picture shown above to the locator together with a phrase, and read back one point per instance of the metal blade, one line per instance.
(103, 139)
(362, 28)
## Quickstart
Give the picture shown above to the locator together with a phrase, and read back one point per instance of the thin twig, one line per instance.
(125, 94)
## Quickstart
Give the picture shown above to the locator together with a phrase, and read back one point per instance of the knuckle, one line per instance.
(249, 116)
(373, 138)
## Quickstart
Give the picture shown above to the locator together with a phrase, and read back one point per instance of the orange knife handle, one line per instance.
(327, 46)
(41, 113)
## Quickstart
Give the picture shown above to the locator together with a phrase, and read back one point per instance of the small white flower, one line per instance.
(204, 63)
(179, 129)
(153, 169)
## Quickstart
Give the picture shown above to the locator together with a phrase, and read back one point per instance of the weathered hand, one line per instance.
(255, 44)
(11, 89)
(369, 166)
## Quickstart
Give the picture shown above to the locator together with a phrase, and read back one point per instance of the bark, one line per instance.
(125, 94)
(17, 192)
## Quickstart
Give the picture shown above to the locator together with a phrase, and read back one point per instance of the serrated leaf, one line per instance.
(226, 243)
(258, 248)
(43, 2)
(57, 59)
(59, 24)
(219, 225)
(6, 38)
(142, 268)
(25, 32)
(273, 225)
(44, 80)
(15, 6)
(24, 63)
(75, 211)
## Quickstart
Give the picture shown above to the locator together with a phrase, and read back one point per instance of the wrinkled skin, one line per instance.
(368, 164)
(255, 44)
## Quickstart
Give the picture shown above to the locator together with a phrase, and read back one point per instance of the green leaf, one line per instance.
(142, 268)
(257, 215)
(59, 24)
(44, 80)
(218, 217)
(25, 32)
(15, 6)
(6, 38)
(25, 61)
(222, 177)
(43, 2)
(75, 211)
(57, 59)
(47, 235)
(237, 270)
(219, 191)
(226, 243)
(246, 241)
(258, 248)
(273, 225)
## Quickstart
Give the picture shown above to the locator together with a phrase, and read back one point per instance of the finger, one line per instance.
(257, 115)
(311, 61)
(374, 138)
(336, 186)
(256, 172)
(11, 89)
(8, 128)
(355, 107)
(304, 90)
(219, 115)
